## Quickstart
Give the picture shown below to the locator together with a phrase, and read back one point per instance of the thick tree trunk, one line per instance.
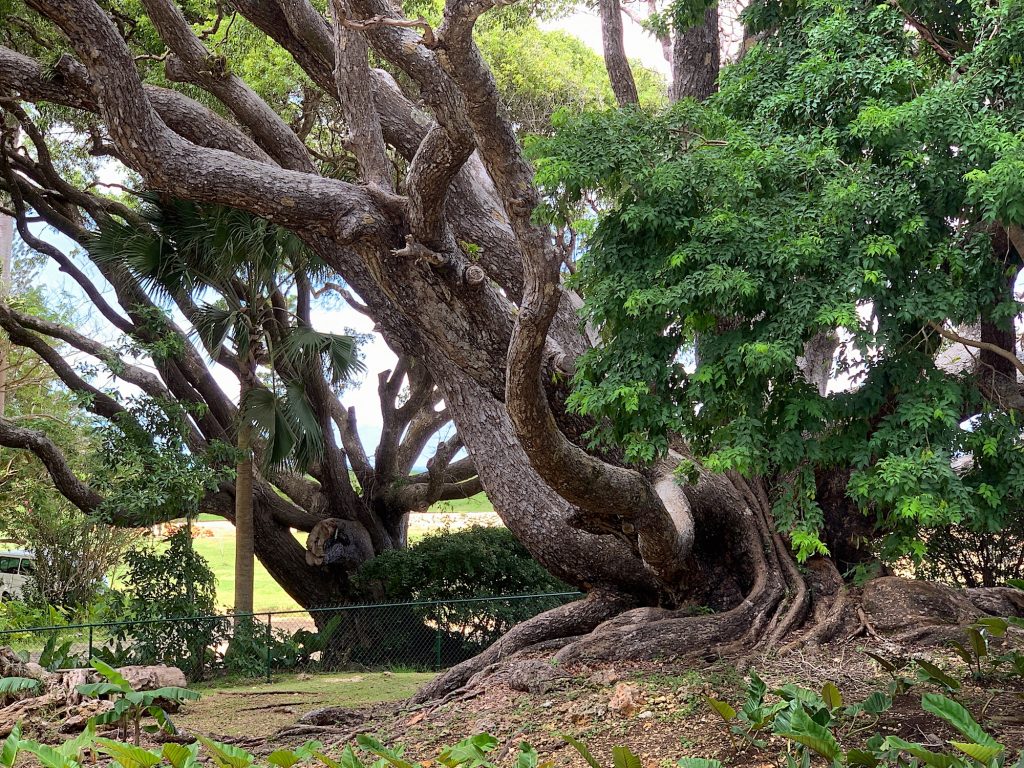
(696, 59)
(615, 60)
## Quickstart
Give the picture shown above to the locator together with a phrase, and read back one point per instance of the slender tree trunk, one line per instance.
(615, 54)
(244, 546)
(6, 258)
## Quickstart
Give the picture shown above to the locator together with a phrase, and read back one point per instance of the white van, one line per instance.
(16, 567)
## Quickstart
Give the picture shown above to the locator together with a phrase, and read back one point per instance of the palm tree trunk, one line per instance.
(244, 550)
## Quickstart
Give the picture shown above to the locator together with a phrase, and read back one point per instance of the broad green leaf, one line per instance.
(725, 711)
(831, 696)
(111, 674)
(48, 756)
(926, 756)
(803, 730)
(181, 755)
(934, 674)
(527, 757)
(698, 762)
(862, 758)
(958, 717)
(995, 625)
(175, 694)
(10, 685)
(373, 746)
(979, 752)
(583, 750)
(128, 755)
(12, 743)
(283, 758)
(622, 757)
(226, 755)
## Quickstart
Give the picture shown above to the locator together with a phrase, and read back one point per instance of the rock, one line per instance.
(998, 601)
(608, 676)
(152, 677)
(896, 605)
(645, 715)
(534, 676)
(625, 699)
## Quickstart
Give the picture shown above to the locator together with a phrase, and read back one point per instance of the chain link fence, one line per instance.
(415, 636)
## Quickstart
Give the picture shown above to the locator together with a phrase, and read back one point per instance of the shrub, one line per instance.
(170, 583)
(478, 561)
(73, 552)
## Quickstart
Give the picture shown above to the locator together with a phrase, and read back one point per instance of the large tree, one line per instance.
(427, 208)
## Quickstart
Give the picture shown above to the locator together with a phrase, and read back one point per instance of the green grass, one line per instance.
(219, 550)
(254, 708)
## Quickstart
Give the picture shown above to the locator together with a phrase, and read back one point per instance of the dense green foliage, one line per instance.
(479, 561)
(169, 582)
(844, 181)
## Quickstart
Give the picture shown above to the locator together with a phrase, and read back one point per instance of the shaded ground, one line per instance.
(258, 709)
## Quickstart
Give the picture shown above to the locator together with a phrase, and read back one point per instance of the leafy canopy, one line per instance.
(845, 180)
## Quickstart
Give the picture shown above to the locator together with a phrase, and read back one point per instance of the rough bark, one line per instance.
(615, 60)
(696, 59)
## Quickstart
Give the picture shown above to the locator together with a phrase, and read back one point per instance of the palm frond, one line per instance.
(267, 411)
(339, 353)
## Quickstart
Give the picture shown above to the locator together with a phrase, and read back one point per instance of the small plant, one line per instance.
(131, 706)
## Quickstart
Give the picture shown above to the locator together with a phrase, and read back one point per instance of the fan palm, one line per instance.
(230, 271)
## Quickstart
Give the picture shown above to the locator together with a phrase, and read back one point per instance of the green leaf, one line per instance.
(724, 710)
(958, 717)
(979, 752)
(583, 750)
(622, 757)
(926, 756)
(226, 755)
(48, 756)
(527, 757)
(861, 757)
(373, 746)
(995, 625)
(698, 762)
(175, 694)
(803, 730)
(9, 685)
(111, 674)
(283, 758)
(128, 755)
(831, 696)
(934, 674)
(978, 641)
(181, 755)
(12, 743)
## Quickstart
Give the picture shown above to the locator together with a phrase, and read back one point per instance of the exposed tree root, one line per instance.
(562, 622)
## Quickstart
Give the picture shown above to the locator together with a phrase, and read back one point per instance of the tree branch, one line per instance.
(194, 63)
(64, 479)
(995, 349)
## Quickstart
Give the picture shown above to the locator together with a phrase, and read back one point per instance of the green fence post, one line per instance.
(437, 648)
(269, 638)
(90, 645)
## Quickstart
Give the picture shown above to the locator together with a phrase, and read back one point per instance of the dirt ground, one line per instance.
(669, 717)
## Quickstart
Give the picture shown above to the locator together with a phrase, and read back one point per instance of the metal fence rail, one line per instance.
(424, 635)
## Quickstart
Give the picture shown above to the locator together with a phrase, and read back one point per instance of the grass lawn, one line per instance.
(255, 709)
(217, 545)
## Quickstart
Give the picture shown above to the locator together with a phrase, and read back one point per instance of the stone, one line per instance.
(625, 699)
